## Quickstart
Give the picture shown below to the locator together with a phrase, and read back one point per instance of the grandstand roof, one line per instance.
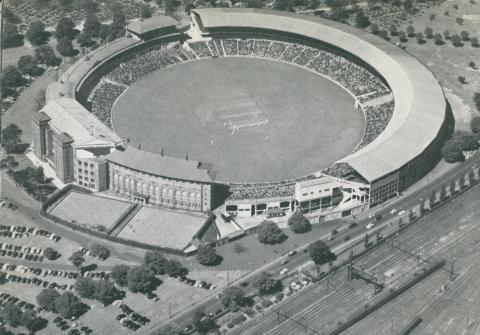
(419, 101)
(151, 24)
(158, 165)
(77, 72)
(69, 116)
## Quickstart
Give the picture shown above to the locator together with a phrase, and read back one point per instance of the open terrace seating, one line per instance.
(377, 118)
(292, 51)
(276, 50)
(247, 191)
(230, 47)
(260, 47)
(339, 170)
(200, 48)
(245, 47)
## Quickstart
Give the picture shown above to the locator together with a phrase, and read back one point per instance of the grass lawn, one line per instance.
(162, 227)
(446, 61)
(260, 253)
(311, 121)
(90, 210)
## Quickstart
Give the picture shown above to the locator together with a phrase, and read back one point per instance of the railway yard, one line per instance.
(443, 299)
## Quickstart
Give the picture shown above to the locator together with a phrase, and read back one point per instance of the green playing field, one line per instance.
(254, 119)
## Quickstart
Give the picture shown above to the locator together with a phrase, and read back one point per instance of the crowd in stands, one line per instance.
(339, 170)
(103, 98)
(377, 119)
(261, 191)
(353, 77)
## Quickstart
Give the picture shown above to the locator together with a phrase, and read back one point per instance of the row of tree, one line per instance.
(66, 304)
(461, 141)
(101, 290)
(14, 316)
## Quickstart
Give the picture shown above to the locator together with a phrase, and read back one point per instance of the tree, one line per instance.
(456, 41)
(104, 32)
(384, 34)
(36, 33)
(77, 258)
(46, 299)
(250, 4)
(473, 65)
(452, 151)
(28, 65)
(84, 40)
(284, 5)
(11, 137)
(65, 29)
(462, 80)
(65, 47)
(9, 16)
(476, 100)
(433, 198)
(299, 223)
(202, 323)
(465, 35)
(269, 233)
(30, 321)
(176, 269)
(428, 32)
(51, 254)
(393, 30)
(117, 28)
(99, 251)
(361, 20)
(438, 38)
(402, 36)
(475, 124)
(11, 77)
(106, 292)
(468, 140)
(446, 34)
(474, 42)
(89, 6)
(206, 255)
(12, 314)
(320, 253)
(156, 261)
(92, 26)
(411, 31)
(419, 37)
(68, 305)
(265, 284)
(374, 29)
(85, 287)
(141, 279)
(407, 4)
(233, 296)
(65, 4)
(119, 274)
(45, 55)
(11, 37)
(145, 11)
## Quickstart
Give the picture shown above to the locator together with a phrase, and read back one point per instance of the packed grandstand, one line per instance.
(357, 80)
